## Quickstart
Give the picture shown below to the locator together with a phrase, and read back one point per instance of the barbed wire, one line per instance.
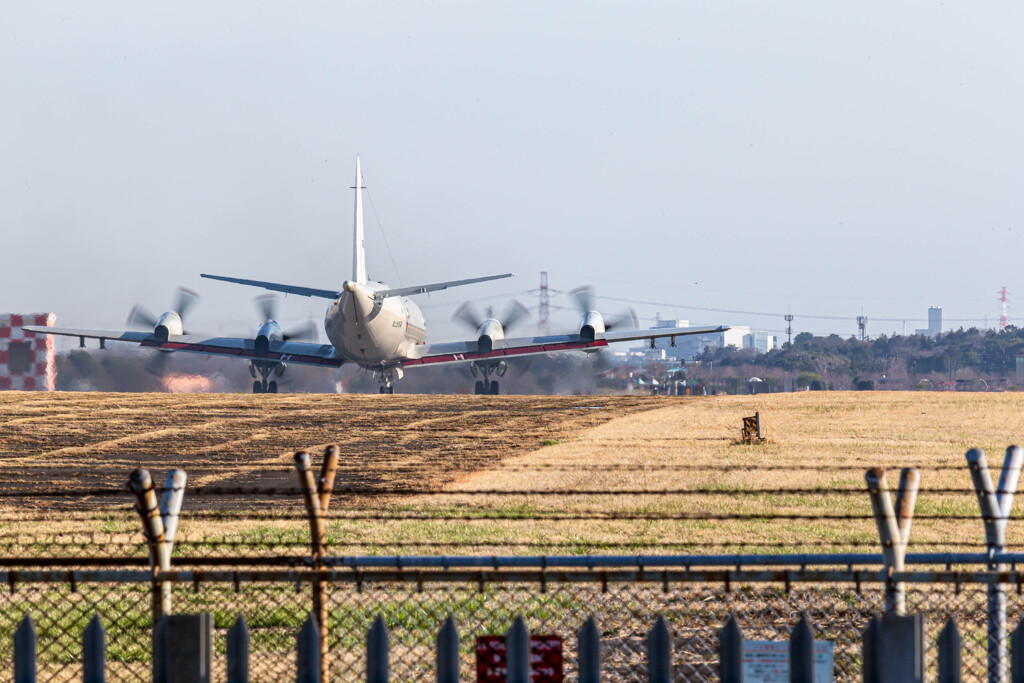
(412, 491)
(581, 516)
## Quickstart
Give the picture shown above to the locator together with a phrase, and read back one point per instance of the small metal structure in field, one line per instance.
(752, 430)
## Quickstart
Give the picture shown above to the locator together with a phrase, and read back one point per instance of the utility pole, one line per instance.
(789, 329)
(862, 323)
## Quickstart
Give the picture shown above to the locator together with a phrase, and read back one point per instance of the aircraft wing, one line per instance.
(435, 287)
(462, 352)
(301, 353)
(276, 287)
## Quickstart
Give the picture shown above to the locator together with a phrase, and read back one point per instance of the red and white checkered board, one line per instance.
(42, 370)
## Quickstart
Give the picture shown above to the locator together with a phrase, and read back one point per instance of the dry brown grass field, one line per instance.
(455, 447)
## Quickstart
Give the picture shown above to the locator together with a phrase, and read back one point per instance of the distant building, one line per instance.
(934, 328)
(762, 342)
(27, 361)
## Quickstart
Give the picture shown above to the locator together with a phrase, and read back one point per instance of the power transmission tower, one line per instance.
(544, 312)
(789, 329)
(1002, 310)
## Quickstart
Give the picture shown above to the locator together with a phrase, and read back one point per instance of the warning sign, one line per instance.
(767, 661)
(545, 659)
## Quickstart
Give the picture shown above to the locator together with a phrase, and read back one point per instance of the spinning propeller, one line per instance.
(584, 297)
(169, 323)
(470, 315)
(267, 305)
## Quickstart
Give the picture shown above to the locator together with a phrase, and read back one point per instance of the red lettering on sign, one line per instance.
(545, 659)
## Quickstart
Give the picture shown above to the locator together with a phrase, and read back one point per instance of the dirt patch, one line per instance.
(78, 441)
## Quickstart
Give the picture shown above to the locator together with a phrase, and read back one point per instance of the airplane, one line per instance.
(376, 327)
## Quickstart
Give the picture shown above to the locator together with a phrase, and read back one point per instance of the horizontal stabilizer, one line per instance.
(423, 289)
(273, 286)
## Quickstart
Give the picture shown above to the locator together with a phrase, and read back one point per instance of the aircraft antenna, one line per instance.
(373, 207)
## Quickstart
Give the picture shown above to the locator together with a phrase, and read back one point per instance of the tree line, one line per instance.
(904, 361)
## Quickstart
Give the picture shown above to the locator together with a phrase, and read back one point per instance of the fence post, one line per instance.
(949, 653)
(170, 505)
(161, 651)
(94, 656)
(377, 652)
(730, 646)
(308, 670)
(801, 652)
(448, 652)
(659, 653)
(238, 651)
(1017, 654)
(893, 531)
(25, 651)
(995, 511)
(328, 469)
(588, 652)
(141, 484)
(517, 652)
(318, 548)
(870, 653)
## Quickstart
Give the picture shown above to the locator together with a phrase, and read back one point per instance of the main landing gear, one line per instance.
(490, 387)
(487, 385)
(263, 385)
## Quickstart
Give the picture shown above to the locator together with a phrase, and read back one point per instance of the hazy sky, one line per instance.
(823, 157)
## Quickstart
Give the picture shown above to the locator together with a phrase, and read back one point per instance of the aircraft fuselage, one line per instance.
(371, 331)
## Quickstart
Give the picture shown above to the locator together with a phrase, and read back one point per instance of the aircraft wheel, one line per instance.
(257, 388)
(391, 390)
(383, 390)
(272, 388)
(494, 388)
(479, 388)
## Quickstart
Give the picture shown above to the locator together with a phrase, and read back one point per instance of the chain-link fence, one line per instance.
(415, 603)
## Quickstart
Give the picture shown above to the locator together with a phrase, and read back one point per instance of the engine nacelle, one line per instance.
(489, 332)
(268, 332)
(591, 326)
(167, 324)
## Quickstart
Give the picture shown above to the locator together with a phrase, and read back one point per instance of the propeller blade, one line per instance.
(625, 320)
(140, 318)
(584, 298)
(305, 332)
(468, 315)
(184, 300)
(266, 304)
(515, 312)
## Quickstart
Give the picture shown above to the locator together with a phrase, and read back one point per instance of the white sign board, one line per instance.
(767, 661)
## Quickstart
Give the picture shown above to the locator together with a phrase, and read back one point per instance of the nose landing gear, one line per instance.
(387, 378)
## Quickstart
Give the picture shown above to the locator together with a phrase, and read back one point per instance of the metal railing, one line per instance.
(277, 592)
(414, 602)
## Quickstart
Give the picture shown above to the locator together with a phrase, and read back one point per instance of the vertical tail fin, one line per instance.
(358, 242)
